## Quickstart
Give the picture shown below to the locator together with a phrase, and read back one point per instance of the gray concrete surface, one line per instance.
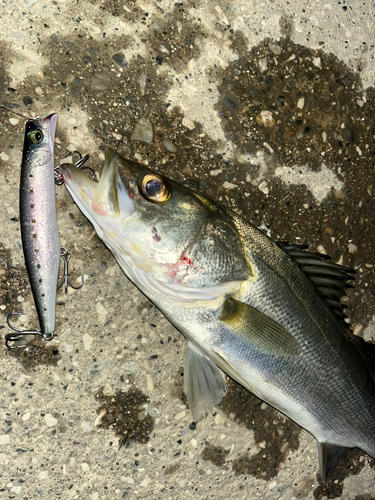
(266, 106)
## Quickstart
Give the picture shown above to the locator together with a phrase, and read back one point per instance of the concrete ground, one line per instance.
(267, 106)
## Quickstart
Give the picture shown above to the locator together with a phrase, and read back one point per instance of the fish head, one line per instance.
(39, 139)
(142, 216)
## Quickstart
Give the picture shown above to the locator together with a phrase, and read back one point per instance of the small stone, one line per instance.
(194, 442)
(218, 419)
(127, 480)
(27, 101)
(4, 156)
(322, 250)
(192, 426)
(120, 60)
(266, 119)
(263, 406)
(262, 445)
(186, 122)
(43, 475)
(108, 391)
(130, 367)
(50, 420)
(352, 248)
(275, 48)
(216, 172)
(100, 81)
(317, 62)
(87, 341)
(4, 439)
(102, 313)
(26, 416)
(180, 415)
(301, 103)
(143, 131)
(13, 121)
(145, 483)
(357, 327)
(263, 64)
(229, 185)
(86, 427)
(169, 146)
(85, 467)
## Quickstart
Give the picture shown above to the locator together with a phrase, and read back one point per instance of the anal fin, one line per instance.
(329, 455)
(204, 383)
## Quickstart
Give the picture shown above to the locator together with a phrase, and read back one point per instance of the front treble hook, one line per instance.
(16, 337)
(78, 164)
(65, 255)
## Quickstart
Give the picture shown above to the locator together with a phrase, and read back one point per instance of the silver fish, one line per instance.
(267, 314)
(39, 232)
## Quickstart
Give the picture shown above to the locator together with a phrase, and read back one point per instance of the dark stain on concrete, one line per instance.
(351, 464)
(126, 414)
(215, 454)
(14, 282)
(171, 469)
(177, 386)
(274, 434)
(36, 353)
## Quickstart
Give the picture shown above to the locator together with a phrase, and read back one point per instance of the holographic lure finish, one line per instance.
(39, 232)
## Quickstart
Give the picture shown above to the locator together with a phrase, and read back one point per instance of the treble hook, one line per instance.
(15, 337)
(65, 255)
(78, 164)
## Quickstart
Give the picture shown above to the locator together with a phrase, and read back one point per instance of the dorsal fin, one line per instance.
(330, 280)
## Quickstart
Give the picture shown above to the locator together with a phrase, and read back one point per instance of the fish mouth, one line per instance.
(101, 201)
(51, 120)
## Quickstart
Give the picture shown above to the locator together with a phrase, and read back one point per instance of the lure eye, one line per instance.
(36, 136)
(154, 188)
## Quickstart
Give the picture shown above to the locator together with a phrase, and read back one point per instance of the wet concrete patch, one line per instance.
(215, 454)
(274, 434)
(351, 464)
(36, 353)
(126, 414)
(14, 284)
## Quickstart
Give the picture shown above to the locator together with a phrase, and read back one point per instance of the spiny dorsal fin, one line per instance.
(330, 280)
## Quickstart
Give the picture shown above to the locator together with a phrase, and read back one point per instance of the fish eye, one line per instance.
(154, 188)
(36, 136)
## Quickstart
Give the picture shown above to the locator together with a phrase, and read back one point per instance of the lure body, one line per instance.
(39, 232)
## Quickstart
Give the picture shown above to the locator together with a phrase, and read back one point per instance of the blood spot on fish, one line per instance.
(126, 415)
(275, 434)
(155, 235)
(189, 263)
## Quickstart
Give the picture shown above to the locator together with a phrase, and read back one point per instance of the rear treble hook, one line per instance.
(65, 255)
(16, 337)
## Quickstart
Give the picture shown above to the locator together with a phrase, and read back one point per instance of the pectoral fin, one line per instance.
(259, 329)
(204, 383)
(329, 455)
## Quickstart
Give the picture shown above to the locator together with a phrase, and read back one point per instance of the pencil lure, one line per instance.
(39, 232)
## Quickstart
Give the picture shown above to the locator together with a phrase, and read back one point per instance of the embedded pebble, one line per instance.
(4, 156)
(352, 248)
(142, 80)
(4, 439)
(275, 48)
(85, 467)
(87, 341)
(120, 60)
(317, 62)
(85, 427)
(127, 480)
(143, 131)
(108, 391)
(130, 367)
(102, 313)
(169, 146)
(43, 475)
(301, 103)
(50, 420)
(229, 185)
(194, 442)
(100, 81)
(215, 172)
(321, 249)
(13, 121)
(263, 64)
(26, 416)
(145, 483)
(218, 419)
(186, 122)
(180, 415)
(265, 118)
